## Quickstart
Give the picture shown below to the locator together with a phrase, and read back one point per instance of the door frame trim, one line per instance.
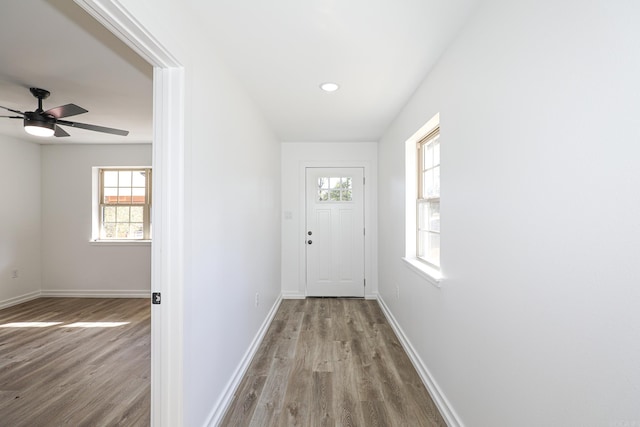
(370, 275)
(167, 254)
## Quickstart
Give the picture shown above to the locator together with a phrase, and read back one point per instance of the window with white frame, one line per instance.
(124, 204)
(428, 199)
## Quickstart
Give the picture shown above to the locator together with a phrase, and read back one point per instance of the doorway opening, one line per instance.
(168, 193)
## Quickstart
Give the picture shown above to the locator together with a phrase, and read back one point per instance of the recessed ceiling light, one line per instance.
(329, 87)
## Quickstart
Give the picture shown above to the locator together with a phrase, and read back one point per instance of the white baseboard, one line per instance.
(101, 293)
(221, 406)
(297, 295)
(19, 299)
(293, 295)
(447, 411)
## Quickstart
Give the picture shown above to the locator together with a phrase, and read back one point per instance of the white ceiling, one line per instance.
(55, 45)
(281, 50)
(378, 51)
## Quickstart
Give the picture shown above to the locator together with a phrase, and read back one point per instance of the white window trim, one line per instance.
(95, 210)
(431, 274)
(120, 242)
(424, 270)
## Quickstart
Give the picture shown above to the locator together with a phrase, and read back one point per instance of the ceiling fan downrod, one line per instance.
(40, 94)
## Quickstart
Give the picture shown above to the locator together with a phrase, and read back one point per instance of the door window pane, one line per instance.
(335, 189)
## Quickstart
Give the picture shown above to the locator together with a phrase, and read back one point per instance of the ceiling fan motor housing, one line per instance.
(34, 118)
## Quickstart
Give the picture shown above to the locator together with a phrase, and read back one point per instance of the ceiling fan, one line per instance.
(47, 123)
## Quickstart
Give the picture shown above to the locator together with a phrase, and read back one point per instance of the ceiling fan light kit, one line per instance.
(45, 123)
(38, 125)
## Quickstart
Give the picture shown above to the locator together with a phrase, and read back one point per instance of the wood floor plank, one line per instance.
(332, 362)
(263, 359)
(391, 388)
(366, 383)
(246, 400)
(345, 389)
(67, 373)
(270, 402)
(401, 384)
(375, 414)
(322, 346)
(322, 413)
(267, 411)
(297, 399)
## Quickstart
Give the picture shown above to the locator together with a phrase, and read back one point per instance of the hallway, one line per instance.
(326, 362)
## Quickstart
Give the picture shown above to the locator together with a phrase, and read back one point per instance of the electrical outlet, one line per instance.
(257, 299)
(14, 274)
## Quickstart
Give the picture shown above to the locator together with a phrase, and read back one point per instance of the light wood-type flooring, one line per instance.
(78, 366)
(331, 362)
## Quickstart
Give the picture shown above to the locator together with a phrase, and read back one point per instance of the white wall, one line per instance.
(19, 220)
(233, 239)
(71, 265)
(537, 321)
(297, 156)
(232, 210)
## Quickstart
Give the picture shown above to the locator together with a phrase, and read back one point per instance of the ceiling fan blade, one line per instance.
(12, 110)
(13, 117)
(66, 111)
(60, 132)
(93, 127)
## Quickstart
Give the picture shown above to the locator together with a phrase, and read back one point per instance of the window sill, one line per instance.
(432, 275)
(120, 242)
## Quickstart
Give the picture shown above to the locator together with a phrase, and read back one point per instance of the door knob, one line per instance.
(309, 242)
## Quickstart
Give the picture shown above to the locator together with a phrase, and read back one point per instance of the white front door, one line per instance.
(335, 232)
